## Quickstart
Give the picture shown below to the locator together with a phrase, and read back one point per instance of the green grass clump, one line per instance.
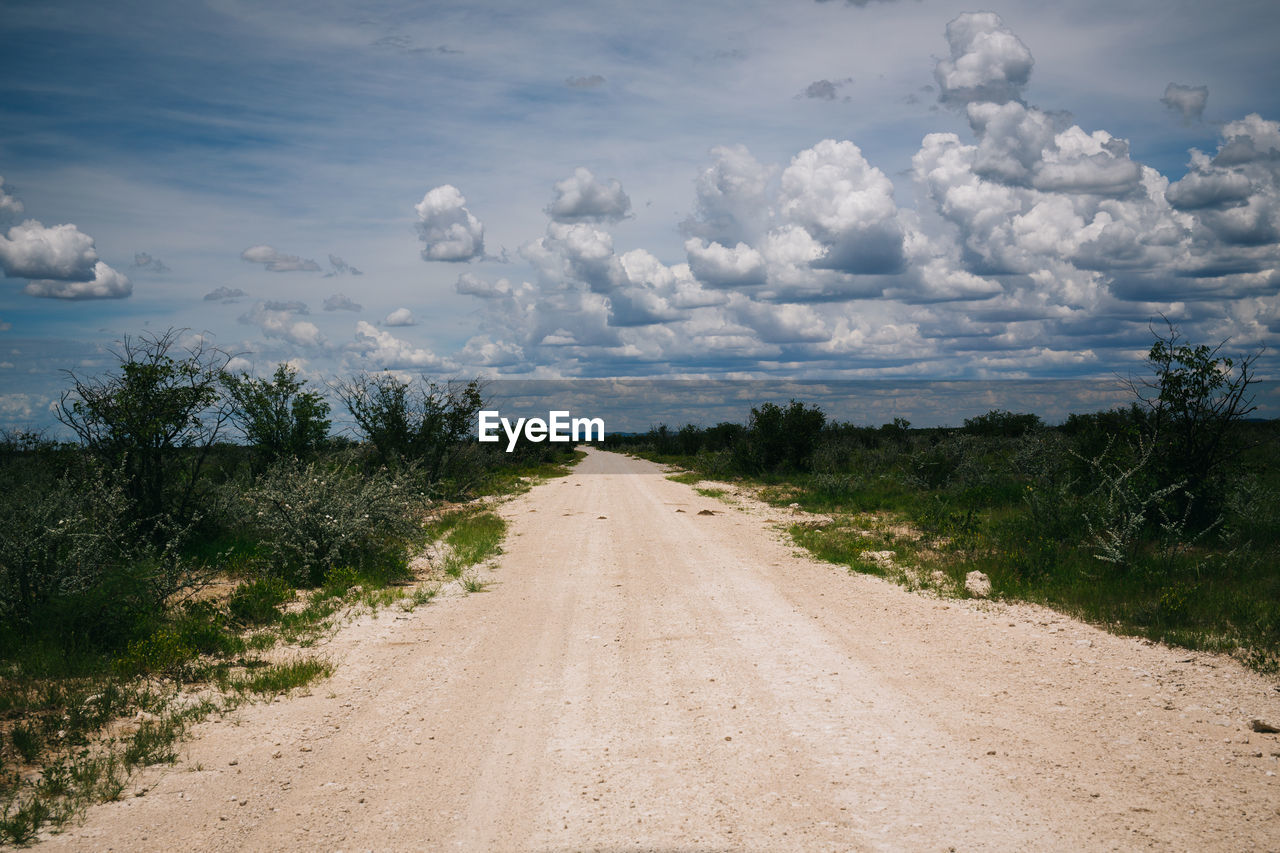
(284, 677)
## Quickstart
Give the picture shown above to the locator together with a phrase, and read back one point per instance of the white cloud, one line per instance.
(448, 231)
(1188, 101)
(274, 261)
(385, 351)
(721, 266)
(105, 284)
(277, 320)
(988, 62)
(400, 317)
(472, 285)
(341, 302)
(847, 205)
(582, 198)
(731, 206)
(483, 351)
(10, 207)
(60, 252)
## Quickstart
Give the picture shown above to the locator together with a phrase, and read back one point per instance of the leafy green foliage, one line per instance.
(257, 602)
(276, 416)
(1195, 400)
(412, 422)
(154, 420)
(1001, 423)
(314, 516)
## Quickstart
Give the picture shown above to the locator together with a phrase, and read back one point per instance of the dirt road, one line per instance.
(638, 678)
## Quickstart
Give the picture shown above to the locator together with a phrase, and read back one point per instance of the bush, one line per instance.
(312, 517)
(780, 439)
(154, 420)
(72, 565)
(276, 416)
(1195, 400)
(257, 602)
(417, 422)
(1001, 423)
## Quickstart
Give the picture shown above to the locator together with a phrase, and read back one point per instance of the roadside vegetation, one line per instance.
(1161, 519)
(204, 532)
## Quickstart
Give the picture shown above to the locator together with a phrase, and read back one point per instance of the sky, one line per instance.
(888, 190)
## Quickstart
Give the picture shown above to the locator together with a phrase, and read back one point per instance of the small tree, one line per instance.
(780, 437)
(412, 421)
(276, 416)
(998, 422)
(1195, 398)
(155, 419)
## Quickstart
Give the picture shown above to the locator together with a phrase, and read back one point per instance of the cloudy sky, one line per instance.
(867, 189)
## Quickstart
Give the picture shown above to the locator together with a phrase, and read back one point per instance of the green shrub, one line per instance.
(312, 517)
(162, 653)
(257, 602)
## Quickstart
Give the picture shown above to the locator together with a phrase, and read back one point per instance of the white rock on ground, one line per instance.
(977, 584)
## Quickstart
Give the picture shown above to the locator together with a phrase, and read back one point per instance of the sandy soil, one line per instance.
(663, 680)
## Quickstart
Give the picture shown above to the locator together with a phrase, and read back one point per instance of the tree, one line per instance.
(276, 416)
(155, 419)
(781, 438)
(998, 422)
(1194, 398)
(412, 421)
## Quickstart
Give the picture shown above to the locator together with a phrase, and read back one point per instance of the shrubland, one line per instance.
(201, 521)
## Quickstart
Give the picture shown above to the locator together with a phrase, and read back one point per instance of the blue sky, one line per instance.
(869, 190)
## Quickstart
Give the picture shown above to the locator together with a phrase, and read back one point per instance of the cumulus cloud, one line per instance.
(59, 253)
(721, 266)
(472, 285)
(385, 351)
(341, 302)
(582, 198)
(448, 231)
(1037, 245)
(274, 261)
(987, 63)
(105, 284)
(337, 266)
(225, 294)
(400, 317)
(731, 205)
(277, 320)
(144, 261)
(10, 207)
(1250, 141)
(595, 81)
(847, 205)
(1235, 195)
(1187, 101)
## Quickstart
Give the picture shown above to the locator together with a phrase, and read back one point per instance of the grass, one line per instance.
(519, 479)
(59, 752)
(471, 537)
(280, 678)
(1218, 593)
